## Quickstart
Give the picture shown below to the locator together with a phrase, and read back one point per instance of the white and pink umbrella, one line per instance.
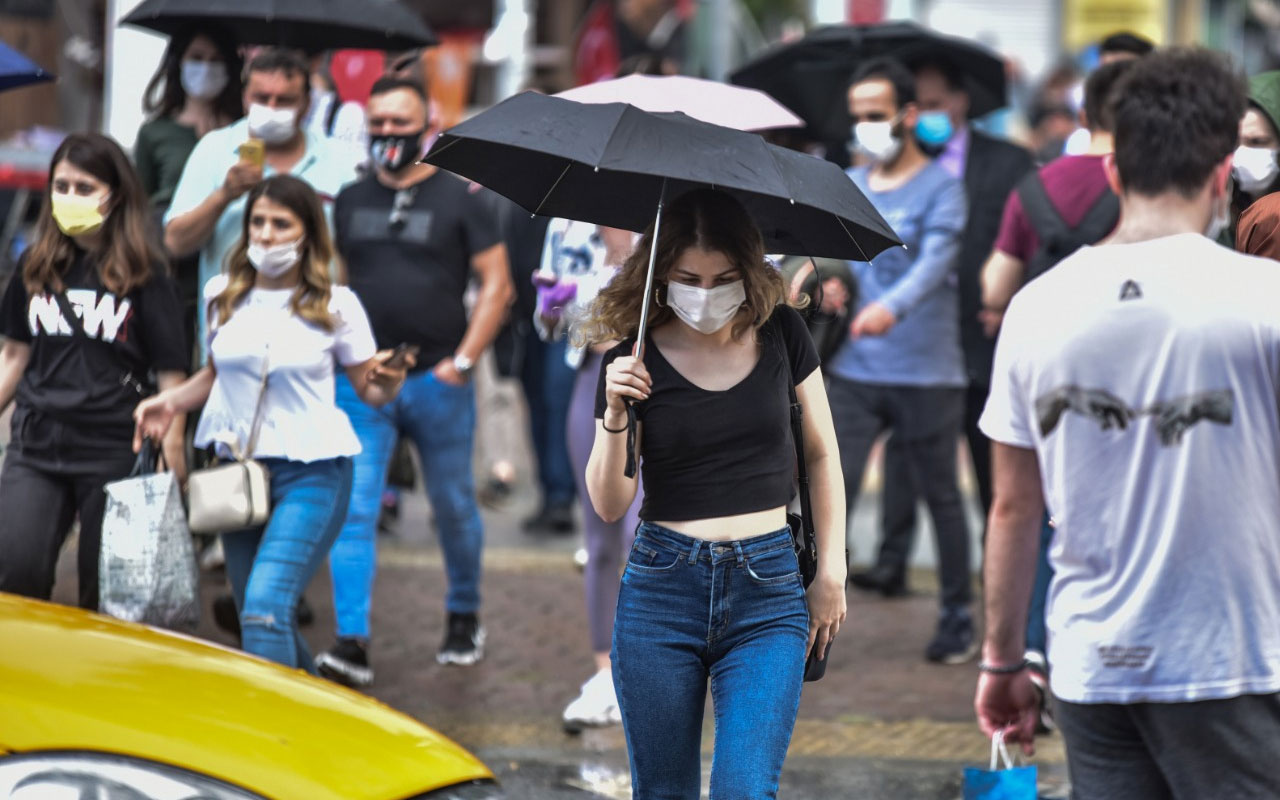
(718, 103)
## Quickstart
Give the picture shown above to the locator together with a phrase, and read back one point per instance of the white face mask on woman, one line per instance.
(272, 262)
(706, 310)
(204, 80)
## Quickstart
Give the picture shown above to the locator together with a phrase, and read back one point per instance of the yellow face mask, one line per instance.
(77, 215)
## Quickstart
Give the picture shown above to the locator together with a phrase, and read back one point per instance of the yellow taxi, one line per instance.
(94, 707)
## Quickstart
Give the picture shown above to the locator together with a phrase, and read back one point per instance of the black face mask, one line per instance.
(394, 153)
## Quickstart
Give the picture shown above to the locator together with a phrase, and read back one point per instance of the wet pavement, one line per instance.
(882, 724)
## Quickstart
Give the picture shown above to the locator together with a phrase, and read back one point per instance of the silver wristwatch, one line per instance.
(463, 365)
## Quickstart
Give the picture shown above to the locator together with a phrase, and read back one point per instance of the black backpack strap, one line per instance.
(1100, 219)
(1040, 210)
(1057, 239)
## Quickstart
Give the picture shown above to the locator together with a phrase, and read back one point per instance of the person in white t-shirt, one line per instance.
(275, 310)
(1136, 385)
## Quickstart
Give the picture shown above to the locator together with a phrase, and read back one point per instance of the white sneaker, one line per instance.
(596, 706)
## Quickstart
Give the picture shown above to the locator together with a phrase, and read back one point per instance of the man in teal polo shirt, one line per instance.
(207, 211)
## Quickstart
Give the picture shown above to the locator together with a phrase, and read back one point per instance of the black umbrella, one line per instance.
(810, 76)
(615, 165)
(305, 24)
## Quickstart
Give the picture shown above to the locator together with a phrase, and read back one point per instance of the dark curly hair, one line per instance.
(1177, 116)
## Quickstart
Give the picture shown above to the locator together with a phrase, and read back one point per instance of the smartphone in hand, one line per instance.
(401, 354)
(253, 151)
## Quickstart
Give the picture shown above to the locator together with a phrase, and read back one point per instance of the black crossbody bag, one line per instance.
(803, 536)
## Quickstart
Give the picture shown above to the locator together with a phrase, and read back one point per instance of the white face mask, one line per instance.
(204, 80)
(876, 141)
(272, 262)
(1221, 218)
(272, 125)
(706, 310)
(1254, 168)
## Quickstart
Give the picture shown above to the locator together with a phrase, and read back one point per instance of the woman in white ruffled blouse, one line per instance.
(275, 308)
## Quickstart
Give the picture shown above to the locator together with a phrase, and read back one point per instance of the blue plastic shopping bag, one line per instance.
(1007, 782)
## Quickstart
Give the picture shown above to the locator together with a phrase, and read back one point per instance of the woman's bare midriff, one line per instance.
(725, 529)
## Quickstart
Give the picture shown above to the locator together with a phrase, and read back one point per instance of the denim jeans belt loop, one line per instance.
(693, 552)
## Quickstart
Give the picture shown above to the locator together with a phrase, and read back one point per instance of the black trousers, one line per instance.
(38, 502)
(926, 421)
(898, 506)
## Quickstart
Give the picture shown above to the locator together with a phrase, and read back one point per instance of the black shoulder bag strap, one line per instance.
(64, 305)
(78, 332)
(809, 544)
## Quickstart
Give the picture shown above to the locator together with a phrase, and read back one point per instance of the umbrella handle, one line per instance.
(630, 469)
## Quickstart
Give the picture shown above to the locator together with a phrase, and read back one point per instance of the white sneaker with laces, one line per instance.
(596, 706)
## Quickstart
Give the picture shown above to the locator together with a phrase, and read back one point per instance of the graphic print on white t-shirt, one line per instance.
(1145, 376)
(1173, 417)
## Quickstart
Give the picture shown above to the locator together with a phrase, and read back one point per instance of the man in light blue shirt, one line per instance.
(207, 211)
(902, 368)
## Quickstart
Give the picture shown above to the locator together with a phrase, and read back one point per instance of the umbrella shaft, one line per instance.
(648, 280)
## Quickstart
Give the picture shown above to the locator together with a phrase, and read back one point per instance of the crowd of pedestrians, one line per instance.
(282, 268)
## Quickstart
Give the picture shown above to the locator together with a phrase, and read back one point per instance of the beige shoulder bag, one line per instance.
(235, 495)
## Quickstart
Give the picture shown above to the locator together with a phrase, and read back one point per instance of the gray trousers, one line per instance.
(926, 422)
(1173, 751)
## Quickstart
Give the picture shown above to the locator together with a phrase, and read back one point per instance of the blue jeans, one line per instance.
(689, 610)
(441, 420)
(1037, 637)
(548, 389)
(269, 566)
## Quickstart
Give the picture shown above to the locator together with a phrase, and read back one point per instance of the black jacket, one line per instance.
(992, 169)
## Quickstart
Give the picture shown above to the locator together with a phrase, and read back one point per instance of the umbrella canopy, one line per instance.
(18, 70)
(305, 24)
(810, 76)
(612, 163)
(736, 107)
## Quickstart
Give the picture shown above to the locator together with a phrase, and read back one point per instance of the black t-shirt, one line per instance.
(411, 276)
(92, 382)
(714, 454)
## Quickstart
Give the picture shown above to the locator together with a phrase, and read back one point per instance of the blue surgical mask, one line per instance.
(933, 128)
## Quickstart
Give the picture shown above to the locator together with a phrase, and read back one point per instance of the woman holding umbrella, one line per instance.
(711, 588)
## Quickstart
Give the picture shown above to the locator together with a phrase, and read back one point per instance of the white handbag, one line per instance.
(235, 495)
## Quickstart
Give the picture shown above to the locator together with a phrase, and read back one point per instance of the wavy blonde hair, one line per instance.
(704, 218)
(310, 300)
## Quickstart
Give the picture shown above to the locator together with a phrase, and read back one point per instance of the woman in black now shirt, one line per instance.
(711, 589)
(76, 380)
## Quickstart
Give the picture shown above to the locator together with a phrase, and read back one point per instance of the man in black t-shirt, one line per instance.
(411, 237)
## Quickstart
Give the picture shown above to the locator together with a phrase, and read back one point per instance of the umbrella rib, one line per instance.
(438, 152)
(852, 238)
(547, 196)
